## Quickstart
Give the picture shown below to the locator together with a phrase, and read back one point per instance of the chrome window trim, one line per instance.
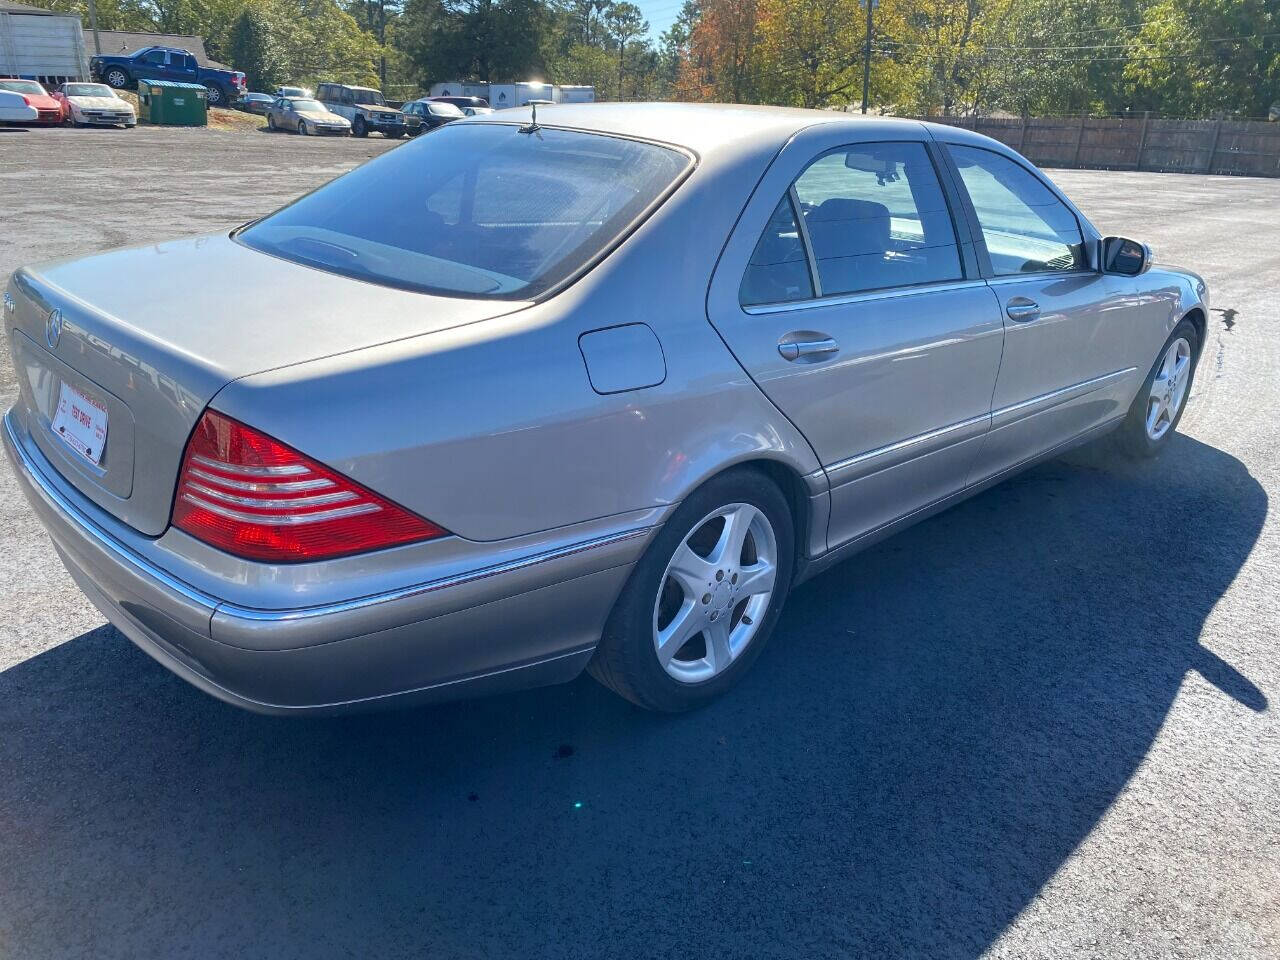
(840, 299)
(1006, 279)
(128, 557)
(802, 227)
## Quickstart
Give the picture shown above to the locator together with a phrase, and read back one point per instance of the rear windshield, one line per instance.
(444, 109)
(474, 210)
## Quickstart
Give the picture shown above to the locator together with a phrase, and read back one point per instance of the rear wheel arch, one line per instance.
(793, 487)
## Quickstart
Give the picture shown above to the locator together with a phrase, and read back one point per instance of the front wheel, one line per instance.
(358, 128)
(271, 122)
(703, 599)
(1156, 410)
(304, 129)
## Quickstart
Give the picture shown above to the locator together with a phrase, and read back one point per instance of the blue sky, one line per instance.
(659, 13)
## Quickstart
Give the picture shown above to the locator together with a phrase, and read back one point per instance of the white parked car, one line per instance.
(94, 104)
(15, 109)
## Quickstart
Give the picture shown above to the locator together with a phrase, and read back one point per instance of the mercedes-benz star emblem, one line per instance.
(53, 327)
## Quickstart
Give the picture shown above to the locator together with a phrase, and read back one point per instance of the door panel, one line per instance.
(891, 387)
(1065, 367)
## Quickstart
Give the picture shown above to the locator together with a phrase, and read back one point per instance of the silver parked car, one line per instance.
(305, 116)
(515, 400)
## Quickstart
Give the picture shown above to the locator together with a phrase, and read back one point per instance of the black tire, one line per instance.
(215, 96)
(302, 129)
(271, 122)
(359, 128)
(117, 78)
(626, 661)
(1132, 438)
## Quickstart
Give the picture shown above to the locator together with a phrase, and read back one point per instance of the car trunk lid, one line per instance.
(151, 334)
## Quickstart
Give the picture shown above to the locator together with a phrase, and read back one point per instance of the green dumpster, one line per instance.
(172, 103)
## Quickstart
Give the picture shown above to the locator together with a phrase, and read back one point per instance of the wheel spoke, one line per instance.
(683, 626)
(1154, 411)
(717, 636)
(691, 571)
(737, 524)
(757, 578)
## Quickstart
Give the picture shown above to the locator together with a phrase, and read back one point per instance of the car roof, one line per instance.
(704, 128)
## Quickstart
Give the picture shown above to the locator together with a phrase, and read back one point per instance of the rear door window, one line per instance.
(1027, 229)
(475, 210)
(876, 218)
(779, 268)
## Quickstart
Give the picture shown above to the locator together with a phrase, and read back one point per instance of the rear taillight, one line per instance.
(250, 495)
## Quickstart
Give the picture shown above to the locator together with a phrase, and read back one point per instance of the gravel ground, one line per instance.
(1042, 724)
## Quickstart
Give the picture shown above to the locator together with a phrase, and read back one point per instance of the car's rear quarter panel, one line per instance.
(493, 430)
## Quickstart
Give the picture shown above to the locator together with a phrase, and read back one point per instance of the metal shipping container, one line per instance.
(172, 104)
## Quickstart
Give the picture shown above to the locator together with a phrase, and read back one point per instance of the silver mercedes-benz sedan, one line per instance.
(519, 399)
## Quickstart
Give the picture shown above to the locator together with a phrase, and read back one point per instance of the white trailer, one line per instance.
(504, 95)
(575, 94)
(41, 45)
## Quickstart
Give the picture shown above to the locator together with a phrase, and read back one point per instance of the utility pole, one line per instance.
(93, 23)
(866, 55)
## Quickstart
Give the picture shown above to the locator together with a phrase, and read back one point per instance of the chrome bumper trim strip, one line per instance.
(127, 556)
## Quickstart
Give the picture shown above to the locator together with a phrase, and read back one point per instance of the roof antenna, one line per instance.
(532, 125)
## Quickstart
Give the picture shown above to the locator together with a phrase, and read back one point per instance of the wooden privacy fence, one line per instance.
(1242, 147)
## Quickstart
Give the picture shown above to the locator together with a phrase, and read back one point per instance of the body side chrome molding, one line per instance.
(908, 442)
(131, 558)
(430, 586)
(1084, 387)
(1061, 393)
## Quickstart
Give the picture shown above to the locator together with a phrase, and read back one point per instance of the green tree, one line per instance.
(624, 22)
(253, 48)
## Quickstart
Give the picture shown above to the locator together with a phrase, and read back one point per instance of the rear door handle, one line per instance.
(811, 349)
(1022, 310)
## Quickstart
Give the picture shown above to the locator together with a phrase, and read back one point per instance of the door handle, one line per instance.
(1022, 310)
(808, 349)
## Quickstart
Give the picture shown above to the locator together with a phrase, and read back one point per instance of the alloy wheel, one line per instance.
(715, 593)
(1168, 389)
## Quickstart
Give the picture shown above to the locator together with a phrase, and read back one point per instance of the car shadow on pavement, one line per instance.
(935, 727)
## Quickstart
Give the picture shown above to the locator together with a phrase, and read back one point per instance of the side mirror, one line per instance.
(1125, 257)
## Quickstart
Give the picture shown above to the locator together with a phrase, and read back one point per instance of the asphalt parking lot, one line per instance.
(1043, 724)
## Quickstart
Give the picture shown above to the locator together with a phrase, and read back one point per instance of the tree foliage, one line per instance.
(1175, 57)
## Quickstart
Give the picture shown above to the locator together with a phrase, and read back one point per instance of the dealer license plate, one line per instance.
(81, 421)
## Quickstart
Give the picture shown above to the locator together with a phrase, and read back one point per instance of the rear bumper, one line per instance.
(500, 627)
